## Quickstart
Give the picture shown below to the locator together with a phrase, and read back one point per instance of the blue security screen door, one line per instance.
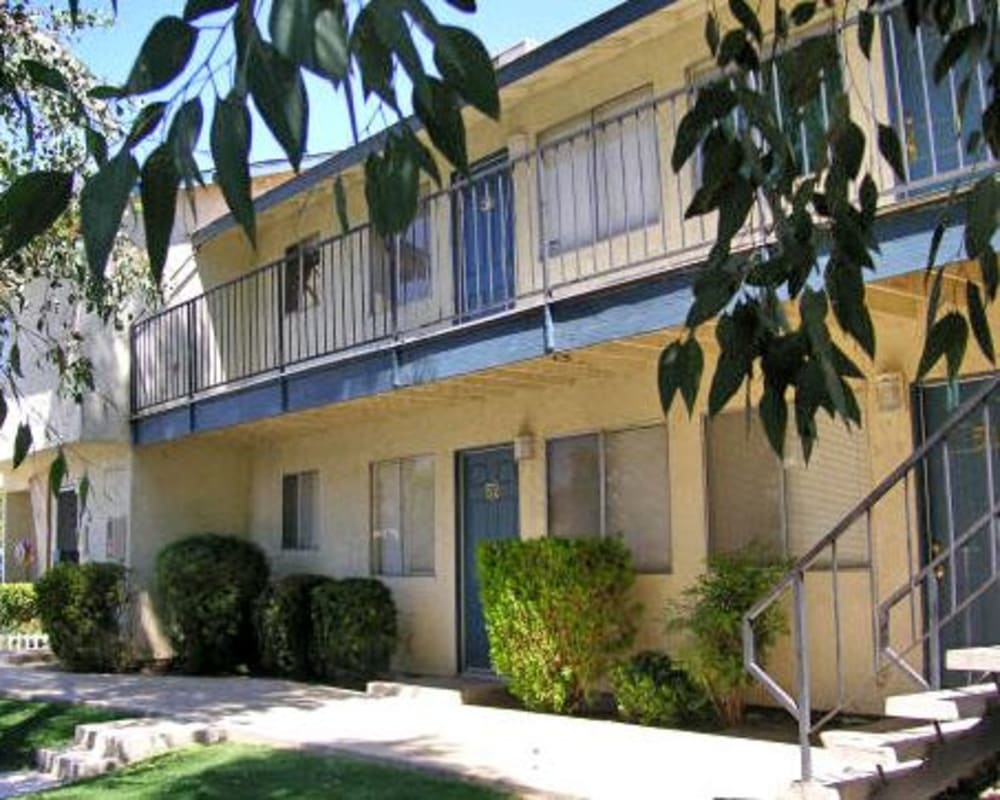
(954, 502)
(484, 228)
(489, 512)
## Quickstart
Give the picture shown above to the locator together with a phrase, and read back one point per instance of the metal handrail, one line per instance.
(800, 703)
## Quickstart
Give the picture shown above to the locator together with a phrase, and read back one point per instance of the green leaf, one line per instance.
(158, 189)
(846, 289)
(22, 444)
(57, 472)
(803, 13)
(869, 198)
(106, 92)
(680, 368)
(730, 374)
(280, 96)
(988, 269)
(982, 208)
(713, 291)
(102, 203)
(948, 337)
(83, 492)
(183, 137)
(439, 109)
(163, 55)
(195, 9)
(468, 6)
(774, 414)
(891, 150)
(307, 32)
(466, 67)
(978, 321)
(957, 45)
(230, 143)
(848, 144)
(936, 237)
(747, 18)
(712, 32)
(374, 56)
(44, 75)
(340, 203)
(934, 299)
(97, 146)
(14, 360)
(3, 409)
(714, 103)
(30, 205)
(146, 121)
(392, 187)
(74, 11)
(866, 31)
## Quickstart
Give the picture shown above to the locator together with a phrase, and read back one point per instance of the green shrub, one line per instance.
(83, 609)
(354, 629)
(711, 612)
(283, 621)
(651, 690)
(207, 588)
(558, 615)
(18, 608)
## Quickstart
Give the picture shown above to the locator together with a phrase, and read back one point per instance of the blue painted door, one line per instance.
(485, 234)
(489, 511)
(949, 516)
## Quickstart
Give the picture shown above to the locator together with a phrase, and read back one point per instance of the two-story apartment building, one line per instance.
(368, 406)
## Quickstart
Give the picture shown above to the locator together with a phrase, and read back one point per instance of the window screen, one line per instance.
(403, 516)
(300, 511)
(755, 500)
(574, 487)
(613, 484)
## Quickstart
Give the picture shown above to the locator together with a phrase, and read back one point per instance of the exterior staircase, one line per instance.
(928, 739)
(102, 747)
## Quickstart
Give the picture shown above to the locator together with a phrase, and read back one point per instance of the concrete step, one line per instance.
(974, 659)
(946, 705)
(887, 746)
(135, 739)
(73, 763)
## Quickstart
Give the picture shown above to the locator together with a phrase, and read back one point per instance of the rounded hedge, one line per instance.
(651, 690)
(283, 622)
(83, 609)
(18, 607)
(207, 587)
(558, 616)
(354, 629)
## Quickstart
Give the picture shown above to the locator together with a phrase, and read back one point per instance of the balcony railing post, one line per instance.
(280, 315)
(543, 242)
(802, 674)
(395, 292)
(133, 370)
(192, 348)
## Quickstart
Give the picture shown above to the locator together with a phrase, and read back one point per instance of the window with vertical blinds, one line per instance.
(783, 509)
(613, 483)
(403, 516)
(300, 510)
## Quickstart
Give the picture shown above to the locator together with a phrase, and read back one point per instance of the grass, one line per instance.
(26, 726)
(261, 773)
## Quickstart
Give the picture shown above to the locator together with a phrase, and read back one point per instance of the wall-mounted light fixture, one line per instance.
(889, 391)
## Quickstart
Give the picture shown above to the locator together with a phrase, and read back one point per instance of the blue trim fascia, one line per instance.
(531, 62)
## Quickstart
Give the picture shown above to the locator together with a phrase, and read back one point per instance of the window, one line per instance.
(414, 262)
(67, 527)
(756, 501)
(300, 511)
(403, 516)
(925, 113)
(116, 539)
(601, 174)
(302, 262)
(613, 484)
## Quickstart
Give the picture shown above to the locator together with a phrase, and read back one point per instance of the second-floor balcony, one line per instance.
(574, 209)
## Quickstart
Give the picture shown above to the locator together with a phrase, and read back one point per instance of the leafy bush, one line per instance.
(18, 608)
(283, 621)
(651, 690)
(207, 588)
(354, 629)
(712, 613)
(83, 609)
(558, 615)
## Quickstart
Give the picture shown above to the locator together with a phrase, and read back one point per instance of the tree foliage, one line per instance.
(789, 231)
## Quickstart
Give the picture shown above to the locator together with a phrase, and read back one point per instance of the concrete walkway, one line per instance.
(534, 754)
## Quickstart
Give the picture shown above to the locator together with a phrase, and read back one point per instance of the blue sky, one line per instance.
(499, 23)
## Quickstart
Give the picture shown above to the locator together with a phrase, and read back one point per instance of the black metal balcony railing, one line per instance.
(592, 205)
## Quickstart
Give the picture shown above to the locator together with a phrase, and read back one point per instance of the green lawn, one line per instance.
(25, 726)
(241, 771)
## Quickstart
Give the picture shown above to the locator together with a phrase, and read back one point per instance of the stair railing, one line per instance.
(917, 599)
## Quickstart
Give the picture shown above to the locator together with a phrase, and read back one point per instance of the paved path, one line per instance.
(533, 753)
(15, 784)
